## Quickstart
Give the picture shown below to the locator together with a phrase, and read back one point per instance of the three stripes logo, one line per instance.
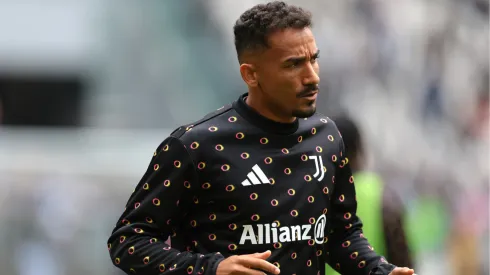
(319, 167)
(255, 177)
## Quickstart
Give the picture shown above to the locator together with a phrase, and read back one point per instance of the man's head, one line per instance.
(278, 60)
(352, 140)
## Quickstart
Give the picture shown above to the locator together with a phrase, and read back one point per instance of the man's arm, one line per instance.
(153, 212)
(348, 251)
(398, 252)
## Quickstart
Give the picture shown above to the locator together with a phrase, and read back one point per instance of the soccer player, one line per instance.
(259, 186)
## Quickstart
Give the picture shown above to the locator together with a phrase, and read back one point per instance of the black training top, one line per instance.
(236, 183)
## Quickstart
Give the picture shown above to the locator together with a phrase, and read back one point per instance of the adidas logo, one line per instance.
(255, 178)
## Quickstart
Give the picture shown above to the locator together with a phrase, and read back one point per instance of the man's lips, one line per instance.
(310, 94)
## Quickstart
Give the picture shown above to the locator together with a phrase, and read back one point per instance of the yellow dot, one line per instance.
(156, 202)
(194, 145)
(206, 185)
(146, 260)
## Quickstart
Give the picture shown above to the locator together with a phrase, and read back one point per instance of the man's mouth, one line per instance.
(310, 95)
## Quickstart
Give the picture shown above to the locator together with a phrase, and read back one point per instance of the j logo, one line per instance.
(319, 167)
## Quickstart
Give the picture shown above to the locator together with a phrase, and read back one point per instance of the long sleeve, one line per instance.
(348, 251)
(154, 211)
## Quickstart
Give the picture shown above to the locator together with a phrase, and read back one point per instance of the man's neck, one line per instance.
(259, 105)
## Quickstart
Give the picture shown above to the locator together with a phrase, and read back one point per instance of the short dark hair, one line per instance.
(254, 25)
(350, 134)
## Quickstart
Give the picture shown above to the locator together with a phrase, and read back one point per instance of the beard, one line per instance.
(305, 113)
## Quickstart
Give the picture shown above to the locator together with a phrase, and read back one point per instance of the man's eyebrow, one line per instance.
(299, 59)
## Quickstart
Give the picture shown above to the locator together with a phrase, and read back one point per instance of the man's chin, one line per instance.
(305, 113)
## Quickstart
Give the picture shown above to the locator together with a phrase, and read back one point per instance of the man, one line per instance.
(378, 207)
(259, 175)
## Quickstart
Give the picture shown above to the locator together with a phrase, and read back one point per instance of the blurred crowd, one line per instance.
(413, 74)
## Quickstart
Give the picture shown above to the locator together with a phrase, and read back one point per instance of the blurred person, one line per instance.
(378, 206)
(478, 126)
(247, 189)
(469, 224)
(427, 220)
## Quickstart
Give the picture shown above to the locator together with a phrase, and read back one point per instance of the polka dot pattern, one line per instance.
(203, 171)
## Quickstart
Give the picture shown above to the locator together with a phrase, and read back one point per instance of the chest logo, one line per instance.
(320, 173)
(256, 177)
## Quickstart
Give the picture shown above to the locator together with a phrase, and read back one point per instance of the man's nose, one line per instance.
(311, 76)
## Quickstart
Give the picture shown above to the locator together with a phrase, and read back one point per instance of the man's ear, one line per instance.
(249, 74)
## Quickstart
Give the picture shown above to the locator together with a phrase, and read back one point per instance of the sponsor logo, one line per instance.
(272, 233)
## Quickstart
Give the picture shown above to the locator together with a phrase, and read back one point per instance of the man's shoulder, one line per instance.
(321, 129)
(320, 121)
(209, 123)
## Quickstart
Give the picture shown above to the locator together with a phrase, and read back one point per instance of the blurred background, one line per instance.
(89, 88)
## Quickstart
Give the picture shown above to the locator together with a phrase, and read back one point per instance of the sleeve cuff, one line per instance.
(383, 268)
(214, 265)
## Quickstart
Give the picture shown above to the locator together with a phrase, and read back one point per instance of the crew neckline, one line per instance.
(264, 123)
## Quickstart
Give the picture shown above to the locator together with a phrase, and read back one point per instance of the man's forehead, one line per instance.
(292, 42)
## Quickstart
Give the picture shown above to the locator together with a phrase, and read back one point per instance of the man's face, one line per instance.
(288, 72)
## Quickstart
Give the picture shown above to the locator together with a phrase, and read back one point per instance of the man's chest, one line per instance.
(247, 178)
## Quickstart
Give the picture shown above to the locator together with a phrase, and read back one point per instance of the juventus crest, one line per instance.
(319, 174)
